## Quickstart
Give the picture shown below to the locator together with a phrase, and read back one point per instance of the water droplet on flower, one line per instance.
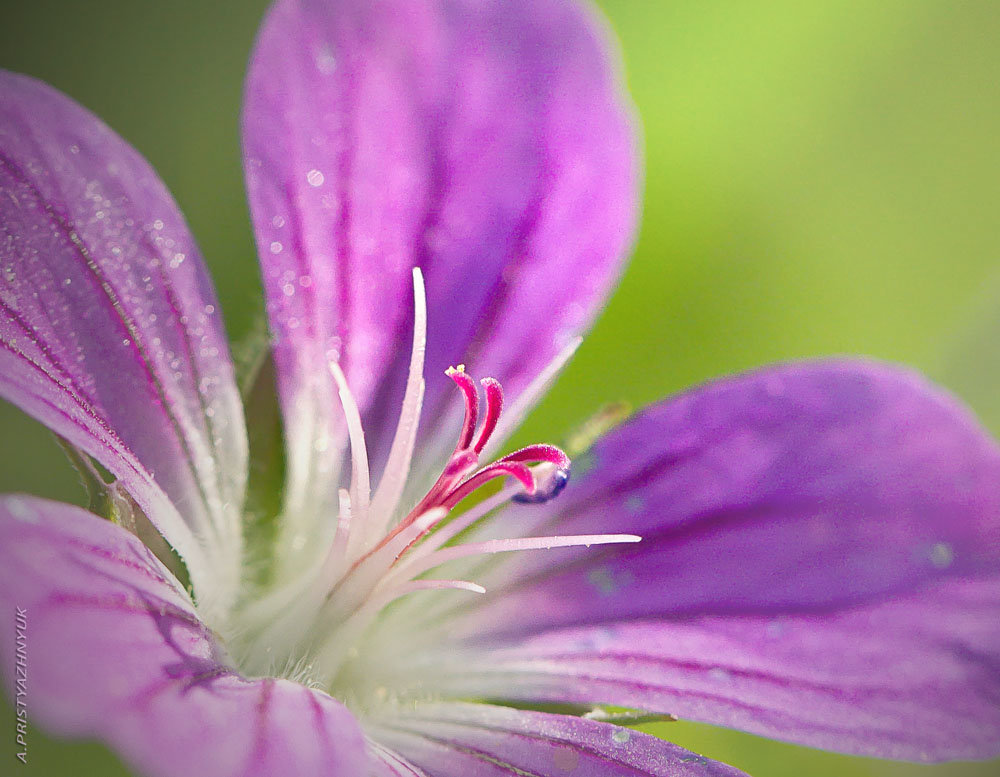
(276, 247)
(315, 178)
(278, 221)
(621, 735)
(21, 511)
(325, 62)
(158, 224)
(942, 555)
(719, 674)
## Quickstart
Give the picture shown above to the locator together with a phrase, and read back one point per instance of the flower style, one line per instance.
(434, 182)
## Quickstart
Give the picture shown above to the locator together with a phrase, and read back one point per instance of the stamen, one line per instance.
(360, 483)
(397, 469)
(433, 585)
(365, 572)
(367, 565)
(336, 559)
(424, 563)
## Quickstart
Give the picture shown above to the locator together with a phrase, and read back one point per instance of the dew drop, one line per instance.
(276, 247)
(20, 511)
(621, 735)
(942, 555)
(326, 63)
(315, 178)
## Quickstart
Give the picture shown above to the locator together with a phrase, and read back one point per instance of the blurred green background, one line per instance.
(821, 177)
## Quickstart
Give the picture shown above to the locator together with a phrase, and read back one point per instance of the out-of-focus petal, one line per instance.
(911, 677)
(489, 143)
(820, 563)
(458, 740)
(110, 332)
(115, 650)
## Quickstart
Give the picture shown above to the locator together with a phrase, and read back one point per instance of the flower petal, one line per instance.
(115, 650)
(110, 332)
(913, 677)
(820, 563)
(488, 143)
(457, 740)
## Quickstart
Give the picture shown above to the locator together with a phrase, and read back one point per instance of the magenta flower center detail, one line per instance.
(311, 628)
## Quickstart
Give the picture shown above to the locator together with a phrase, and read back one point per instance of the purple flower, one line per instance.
(433, 182)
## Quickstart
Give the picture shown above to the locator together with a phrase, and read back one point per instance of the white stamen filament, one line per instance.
(360, 483)
(375, 556)
(337, 559)
(364, 577)
(418, 564)
(397, 468)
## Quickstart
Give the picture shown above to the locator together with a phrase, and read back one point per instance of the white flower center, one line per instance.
(310, 630)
